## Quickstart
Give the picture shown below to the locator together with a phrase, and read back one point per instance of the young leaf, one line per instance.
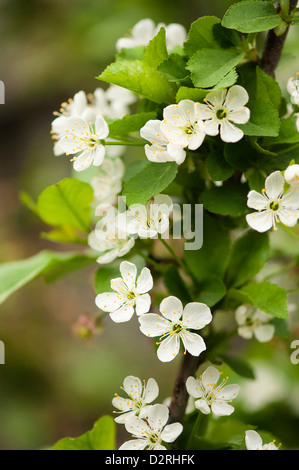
(264, 120)
(249, 254)
(174, 68)
(201, 35)
(239, 366)
(67, 203)
(194, 94)
(219, 169)
(209, 66)
(251, 16)
(101, 437)
(157, 176)
(175, 284)
(211, 290)
(129, 123)
(267, 88)
(269, 298)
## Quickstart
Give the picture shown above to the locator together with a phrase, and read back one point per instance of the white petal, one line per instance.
(196, 315)
(169, 348)
(123, 314)
(143, 303)
(137, 426)
(98, 155)
(222, 409)
(228, 392)
(171, 432)
(109, 301)
(253, 440)
(158, 416)
(129, 272)
(229, 132)
(202, 406)
(274, 185)
(134, 444)
(256, 200)
(151, 391)
(83, 161)
(236, 97)
(133, 387)
(194, 343)
(216, 98)
(171, 308)
(260, 221)
(153, 325)
(123, 404)
(144, 281)
(264, 333)
(239, 115)
(193, 387)
(211, 126)
(210, 377)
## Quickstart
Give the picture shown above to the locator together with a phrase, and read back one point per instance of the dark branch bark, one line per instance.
(273, 47)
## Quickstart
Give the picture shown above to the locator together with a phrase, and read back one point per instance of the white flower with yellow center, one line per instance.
(176, 325)
(254, 322)
(148, 220)
(129, 294)
(274, 205)
(149, 434)
(223, 109)
(160, 150)
(140, 396)
(211, 396)
(291, 175)
(85, 140)
(182, 125)
(109, 238)
(254, 441)
(293, 89)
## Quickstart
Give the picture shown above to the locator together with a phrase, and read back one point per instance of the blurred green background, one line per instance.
(54, 385)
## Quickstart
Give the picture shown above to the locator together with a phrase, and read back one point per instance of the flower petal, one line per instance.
(143, 303)
(133, 387)
(129, 272)
(196, 315)
(123, 314)
(144, 282)
(236, 97)
(274, 185)
(193, 387)
(194, 343)
(229, 132)
(171, 432)
(153, 325)
(109, 301)
(202, 406)
(169, 348)
(253, 440)
(151, 391)
(171, 308)
(260, 221)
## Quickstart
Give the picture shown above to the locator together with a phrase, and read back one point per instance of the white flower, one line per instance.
(150, 433)
(84, 140)
(253, 322)
(109, 238)
(293, 89)
(210, 396)
(174, 326)
(182, 125)
(291, 175)
(129, 294)
(140, 395)
(273, 205)
(160, 150)
(297, 121)
(108, 181)
(222, 108)
(145, 30)
(76, 106)
(150, 219)
(254, 442)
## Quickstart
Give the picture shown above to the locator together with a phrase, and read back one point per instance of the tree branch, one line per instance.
(273, 46)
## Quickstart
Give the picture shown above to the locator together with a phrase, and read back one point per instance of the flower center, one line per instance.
(221, 113)
(177, 328)
(274, 206)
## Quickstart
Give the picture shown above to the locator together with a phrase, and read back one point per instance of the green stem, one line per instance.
(151, 261)
(131, 143)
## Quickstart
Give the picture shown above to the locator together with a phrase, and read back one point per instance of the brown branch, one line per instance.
(273, 46)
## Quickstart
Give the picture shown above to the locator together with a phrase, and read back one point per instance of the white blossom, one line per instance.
(254, 322)
(291, 175)
(211, 396)
(223, 109)
(254, 442)
(85, 141)
(160, 150)
(108, 181)
(182, 125)
(140, 396)
(176, 324)
(109, 238)
(274, 205)
(145, 30)
(150, 433)
(293, 89)
(150, 219)
(112, 103)
(129, 294)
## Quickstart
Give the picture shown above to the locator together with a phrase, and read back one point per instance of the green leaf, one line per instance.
(209, 66)
(211, 290)
(267, 88)
(142, 76)
(16, 274)
(228, 199)
(239, 366)
(27, 200)
(134, 53)
(219, 169)
(288, 133)
(227, 81)
(101, 437)
(251, 17)
(239, 155)
(67, 203)
(174, 68)
(264, 120)
(129, 123)
(226, 38)
(256, 179)
(212, 258)
(249, 254)
(194, 94)
(157, 176)
(268, 297)
(201, 35)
